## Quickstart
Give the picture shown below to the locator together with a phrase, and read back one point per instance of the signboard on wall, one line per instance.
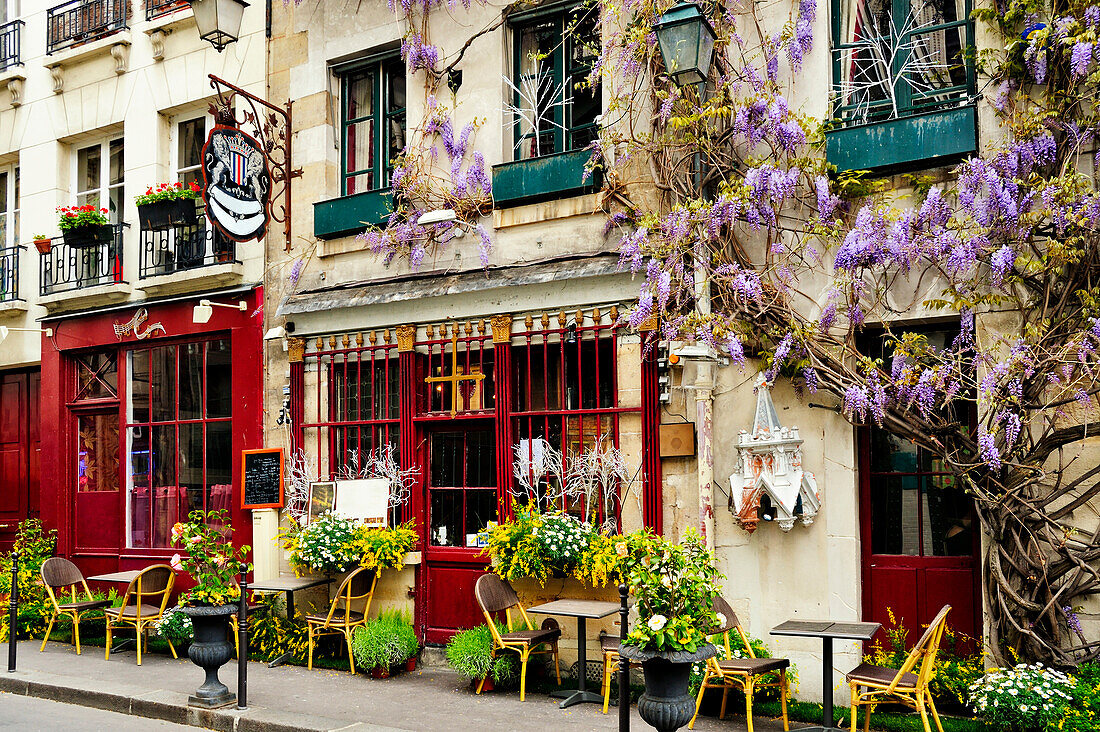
(262, 478)
(365, 500)
(236, 183)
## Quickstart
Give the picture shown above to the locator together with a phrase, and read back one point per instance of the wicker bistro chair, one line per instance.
(902, 685)
(357, 587)
(494, 595)
(142, 606)
(57, 575)
(609, 646)
(745, 673)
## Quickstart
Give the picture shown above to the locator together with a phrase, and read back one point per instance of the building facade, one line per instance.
(141, 409)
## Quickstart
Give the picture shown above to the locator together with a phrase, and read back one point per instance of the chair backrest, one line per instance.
(494, 595)
(152, 586)
(58, 573)
(723, 609)
(358, 586)
(924, 652)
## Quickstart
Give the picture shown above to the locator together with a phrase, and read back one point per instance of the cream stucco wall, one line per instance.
(129, 84)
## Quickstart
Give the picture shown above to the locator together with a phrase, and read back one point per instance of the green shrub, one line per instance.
(470, 653)
(270, 635)
(1024, 697)
(175, 626)
(1083, 714)
(34, 545)
(387, 640)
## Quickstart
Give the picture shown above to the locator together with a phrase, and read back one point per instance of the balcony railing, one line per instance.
(157, 8)
(10, 35)
(9, 273)
(183, 248)
(81, 21)
(67, 268)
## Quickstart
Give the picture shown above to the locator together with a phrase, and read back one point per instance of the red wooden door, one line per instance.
(98, 519)
(19, 451)
(919, 539)
(460, 498)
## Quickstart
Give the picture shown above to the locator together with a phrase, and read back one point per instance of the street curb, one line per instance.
(171, 706)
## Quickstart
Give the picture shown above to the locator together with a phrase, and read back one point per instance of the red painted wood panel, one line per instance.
(13, 448)
(451, 605)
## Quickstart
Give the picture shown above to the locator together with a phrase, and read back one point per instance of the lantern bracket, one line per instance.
(271, 126)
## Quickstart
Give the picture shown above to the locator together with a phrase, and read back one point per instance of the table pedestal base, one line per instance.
(572, 697)
(280, 660)
(123, 645)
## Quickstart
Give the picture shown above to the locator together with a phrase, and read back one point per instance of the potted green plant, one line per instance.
(674, 586)
(470, 653)
(175, 626)
(43, 243)
(167, 205)
(84, 227)
(214, 563)
(369, 645)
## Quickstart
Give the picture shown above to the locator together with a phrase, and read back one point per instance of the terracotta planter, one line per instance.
(43, 245)
(488, 686)
(380, 672)
(166, 214)
(410, 664)
(87, 237)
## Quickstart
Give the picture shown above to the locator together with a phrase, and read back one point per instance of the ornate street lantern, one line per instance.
(219, 21)
(687, 40)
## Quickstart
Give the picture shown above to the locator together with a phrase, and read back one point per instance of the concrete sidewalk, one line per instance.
(293, 698)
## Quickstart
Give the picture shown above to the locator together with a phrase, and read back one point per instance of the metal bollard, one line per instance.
(624, 665)
(13, 610)
(242, 642)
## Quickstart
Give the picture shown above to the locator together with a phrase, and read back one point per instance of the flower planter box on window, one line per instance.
(541, 178)
(87, 237)
(925, 140)
(162, 215)
(351, 214)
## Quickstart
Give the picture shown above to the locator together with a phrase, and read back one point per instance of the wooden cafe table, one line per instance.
(826, 630)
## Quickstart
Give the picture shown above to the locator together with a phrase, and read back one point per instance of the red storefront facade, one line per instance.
(147, 418)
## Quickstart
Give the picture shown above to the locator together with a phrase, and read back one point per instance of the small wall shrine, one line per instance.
(770, 483)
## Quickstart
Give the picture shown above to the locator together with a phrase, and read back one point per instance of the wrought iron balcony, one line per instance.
(65, 268)
(157, 8)
(9, 273)
(81, 21)
(183, 248)
(10, 36)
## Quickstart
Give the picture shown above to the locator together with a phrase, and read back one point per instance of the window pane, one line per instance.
(219, 466)
(948, 518)
(481, 507)
(447, 519)
(140, 487)
(219, 380)
(191, 381)
(894, 523)
(360, 96)
(359, 183)
(166, 495)
(117, 164)
(192, 135)
(540, 92)
(359, 150)
(139, 386)
(162, 369)
(88, 176)
(97, 453)
(96, 376)
(481, 458)
(192, 486)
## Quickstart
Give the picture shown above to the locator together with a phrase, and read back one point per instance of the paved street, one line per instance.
(35, 715)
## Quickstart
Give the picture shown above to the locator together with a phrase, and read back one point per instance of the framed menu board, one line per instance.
(262, 478)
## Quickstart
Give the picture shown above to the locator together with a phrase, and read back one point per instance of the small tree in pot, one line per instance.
(213, 562)
(674, 586)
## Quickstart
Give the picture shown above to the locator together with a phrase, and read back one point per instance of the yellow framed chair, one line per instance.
(609, 646)
(59, 575)
(342, 618)
(902, 685)
(142, 606)
(494, 595)
(749, 673)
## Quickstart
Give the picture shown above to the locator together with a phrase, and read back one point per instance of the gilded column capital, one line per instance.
(406, 337)
(296, 350)
(502, 328)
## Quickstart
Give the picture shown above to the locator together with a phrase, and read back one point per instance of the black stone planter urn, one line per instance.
(88, 237)
(161, 215)
(666, 703)
(209, 650)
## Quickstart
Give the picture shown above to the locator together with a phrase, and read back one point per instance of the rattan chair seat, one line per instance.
(881, 675)
(543, 635)
(754, 666)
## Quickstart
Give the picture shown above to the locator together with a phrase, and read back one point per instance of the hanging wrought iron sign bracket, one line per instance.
(270, 125)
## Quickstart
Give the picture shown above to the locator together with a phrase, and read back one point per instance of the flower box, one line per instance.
(43, 245)
(161, 215)
(90, 236)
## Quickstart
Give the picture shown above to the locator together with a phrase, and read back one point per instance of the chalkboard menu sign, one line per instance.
(262, 478)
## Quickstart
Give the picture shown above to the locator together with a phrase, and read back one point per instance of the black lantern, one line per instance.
(219, 21)
(687, 40)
